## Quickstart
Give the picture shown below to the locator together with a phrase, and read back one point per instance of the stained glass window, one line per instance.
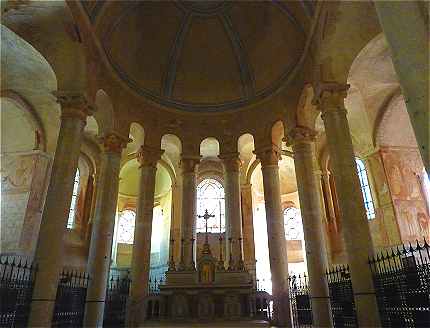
(210, 196)
(126, 221)
(293, 224)
(72, 210)
(365, 189)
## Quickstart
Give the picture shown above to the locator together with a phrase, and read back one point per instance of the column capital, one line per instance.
(114, 142)
(74, 104)
(268, 155)
(329, 96)
(148, 156)
(231, 161)
(301, 134)
(246, 186)
(188, 164)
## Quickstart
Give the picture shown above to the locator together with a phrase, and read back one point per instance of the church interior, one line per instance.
(215, 163)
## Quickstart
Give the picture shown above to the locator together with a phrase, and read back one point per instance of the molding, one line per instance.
(246, 73)
(174, 55)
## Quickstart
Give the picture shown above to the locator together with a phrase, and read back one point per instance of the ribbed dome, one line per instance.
(203, 55)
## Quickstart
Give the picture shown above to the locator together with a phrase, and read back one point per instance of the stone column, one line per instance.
(248, 229)
(355, 229)
(233, 212)
(269, 157)
(329, 198)
(189, 203)
(303, 142)
(406, 29)
(175, 224)
(140, 263)
(48, 256)
(103, 227)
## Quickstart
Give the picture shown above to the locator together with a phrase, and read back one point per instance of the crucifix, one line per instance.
(206, 217)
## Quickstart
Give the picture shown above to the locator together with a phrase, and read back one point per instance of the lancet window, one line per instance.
(293, 224)
(126, 222)
(365, 189)
(210, 196)
(73, 203)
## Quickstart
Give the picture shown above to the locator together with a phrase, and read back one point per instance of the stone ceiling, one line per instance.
(201, 55)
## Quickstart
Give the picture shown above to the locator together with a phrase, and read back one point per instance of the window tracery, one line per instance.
(365, 189)
(73, 203)
(210, 196)
(126, 222)
(293, 224)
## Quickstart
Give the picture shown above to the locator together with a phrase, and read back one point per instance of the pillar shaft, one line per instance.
(55, 213)
(312, 215)
(248, 230)
(330, 99)
(102, 231)
(276, 235)
(140, 264)
(233, 211)
(329, 197)
(406, 30)
(189, 203)
(175, 224)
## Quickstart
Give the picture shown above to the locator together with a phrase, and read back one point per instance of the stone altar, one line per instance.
(208, 292)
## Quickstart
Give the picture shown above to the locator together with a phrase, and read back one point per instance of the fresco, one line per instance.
(403, 168)
(23, 185)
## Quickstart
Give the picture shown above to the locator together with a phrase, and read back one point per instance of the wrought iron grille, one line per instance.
(116, 300)
(300, 300)
(341, 297)
(16, 286)
(70, 301)
(402, 283)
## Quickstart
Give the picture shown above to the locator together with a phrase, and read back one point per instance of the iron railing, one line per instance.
(341, 297)
(402, 283)
(70, 301)
(16, 286)
(300, 300)
(116, 300)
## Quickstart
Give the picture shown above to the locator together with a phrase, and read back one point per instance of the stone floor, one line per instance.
(228, 324)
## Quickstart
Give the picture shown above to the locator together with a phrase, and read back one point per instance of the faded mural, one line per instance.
(23, 188)
(404, 168)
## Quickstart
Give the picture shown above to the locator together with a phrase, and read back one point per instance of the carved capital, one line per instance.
(301, 134)
(231, 162)
(73, 104)
(114, 143)
(269, 155)
(148, 156)
(189, 164)
(330, 96)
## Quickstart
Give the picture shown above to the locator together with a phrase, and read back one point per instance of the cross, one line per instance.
(206, 217)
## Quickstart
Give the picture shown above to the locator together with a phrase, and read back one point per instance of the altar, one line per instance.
(207, 291)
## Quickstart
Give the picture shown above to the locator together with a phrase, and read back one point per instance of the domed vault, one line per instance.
(202, 55)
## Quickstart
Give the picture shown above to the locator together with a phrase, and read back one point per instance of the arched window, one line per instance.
(210, 196)
(293, 224)
(365, 189)
(126, 222)
(72, 210)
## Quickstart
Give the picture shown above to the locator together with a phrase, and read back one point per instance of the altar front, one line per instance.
(229, 296)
